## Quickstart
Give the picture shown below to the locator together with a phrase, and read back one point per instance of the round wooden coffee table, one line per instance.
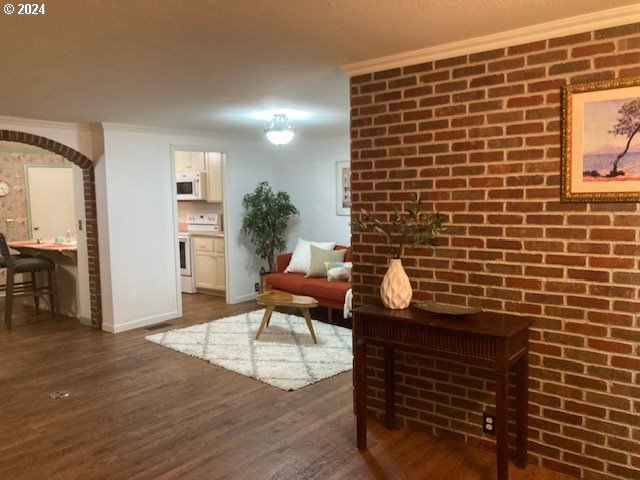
(275, 298)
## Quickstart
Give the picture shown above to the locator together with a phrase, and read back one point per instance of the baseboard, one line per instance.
(243, 298)
(138, 323)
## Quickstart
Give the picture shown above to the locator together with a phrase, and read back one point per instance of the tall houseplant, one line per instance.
(266, 220)
(412, 227)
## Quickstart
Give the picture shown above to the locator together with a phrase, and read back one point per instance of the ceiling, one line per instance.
(225, 65)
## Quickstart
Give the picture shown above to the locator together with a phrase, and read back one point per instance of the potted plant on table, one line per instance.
(266, 220)
(413, 227)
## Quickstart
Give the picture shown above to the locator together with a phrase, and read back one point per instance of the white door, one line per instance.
(50, 201)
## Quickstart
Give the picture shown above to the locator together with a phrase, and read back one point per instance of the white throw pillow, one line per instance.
(301, 257)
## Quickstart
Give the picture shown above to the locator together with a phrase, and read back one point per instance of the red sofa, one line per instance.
(328, 294)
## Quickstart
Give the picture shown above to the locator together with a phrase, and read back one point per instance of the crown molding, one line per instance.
(123, 127)
(31, 122)
(557, 28)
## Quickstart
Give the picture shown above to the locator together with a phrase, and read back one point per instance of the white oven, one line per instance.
(191, 185)
(187, 281)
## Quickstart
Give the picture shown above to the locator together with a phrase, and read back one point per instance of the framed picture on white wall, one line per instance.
(343, 188)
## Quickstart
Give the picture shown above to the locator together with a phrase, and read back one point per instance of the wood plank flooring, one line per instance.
(141, 411)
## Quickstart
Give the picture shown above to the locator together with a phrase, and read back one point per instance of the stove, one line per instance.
(197, 223)
(187, 281)
(203, 222)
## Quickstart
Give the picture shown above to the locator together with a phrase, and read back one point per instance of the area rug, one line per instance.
(284, 356)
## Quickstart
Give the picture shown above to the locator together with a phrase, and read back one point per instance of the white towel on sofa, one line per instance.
(348, 300)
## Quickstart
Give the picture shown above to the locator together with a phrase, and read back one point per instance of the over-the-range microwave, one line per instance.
(191, 185)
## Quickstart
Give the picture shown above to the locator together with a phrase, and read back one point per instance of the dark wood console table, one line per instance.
(495, 340)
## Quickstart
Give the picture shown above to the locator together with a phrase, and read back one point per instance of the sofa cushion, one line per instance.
(301, 256)
(283, 259)
(338, 271)
(319, 257)
(318, 288)
(288, 282)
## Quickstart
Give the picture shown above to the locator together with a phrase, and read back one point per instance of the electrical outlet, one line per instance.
(257, 287)
(489, 424)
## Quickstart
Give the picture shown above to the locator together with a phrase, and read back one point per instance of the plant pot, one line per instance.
(395, 289)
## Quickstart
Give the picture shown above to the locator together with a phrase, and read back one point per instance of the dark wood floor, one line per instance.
(141, 411)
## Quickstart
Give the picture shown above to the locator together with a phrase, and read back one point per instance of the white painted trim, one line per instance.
(170, 131)
(557, 28)
(31, 122)
(139, 323)
(243, 298)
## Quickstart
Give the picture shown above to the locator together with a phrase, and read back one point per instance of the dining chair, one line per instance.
(17, 264)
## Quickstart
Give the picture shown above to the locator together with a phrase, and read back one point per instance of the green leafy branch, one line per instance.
(413, 227)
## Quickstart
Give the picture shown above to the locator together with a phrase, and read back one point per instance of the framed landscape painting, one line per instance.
(343, 190)
(601, 141)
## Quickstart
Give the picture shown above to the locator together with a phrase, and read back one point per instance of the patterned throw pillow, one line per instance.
(338, 271)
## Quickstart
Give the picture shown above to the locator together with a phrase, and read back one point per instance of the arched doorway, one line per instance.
(89, 188)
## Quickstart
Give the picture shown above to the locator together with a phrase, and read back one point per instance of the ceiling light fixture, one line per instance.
(279, 131)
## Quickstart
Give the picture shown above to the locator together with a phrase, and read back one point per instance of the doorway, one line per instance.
(89, 194)
(50, 201)
(200, 221)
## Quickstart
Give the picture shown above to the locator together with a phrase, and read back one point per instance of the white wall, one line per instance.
(306, 169)
(136, 189)
(72, 135)
(137, 214)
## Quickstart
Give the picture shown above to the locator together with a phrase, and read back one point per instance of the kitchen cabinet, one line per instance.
(208, 262)
(214, 177)
(190, 161)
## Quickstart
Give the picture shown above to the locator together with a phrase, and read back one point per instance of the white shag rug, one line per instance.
(284, 356)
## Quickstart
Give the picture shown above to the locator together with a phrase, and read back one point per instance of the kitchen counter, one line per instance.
(33, 247)
(64, 255)
(207, 234)
(202, 234)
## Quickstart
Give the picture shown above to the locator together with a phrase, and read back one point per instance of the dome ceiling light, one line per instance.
(279, 131)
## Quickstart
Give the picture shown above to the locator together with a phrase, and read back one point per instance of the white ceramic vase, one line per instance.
(395, 289)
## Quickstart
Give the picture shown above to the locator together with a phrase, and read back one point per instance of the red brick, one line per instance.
(630, 250)
(590, 275)
(584, 461)
(616, 60)
(566, 313)
(585, 409)
(609, 346)
(609, 318)
(585, 382)
(589, 248)
(605, 290)
(587, 329)
(591, 50)
(626, 362)
(610, 234)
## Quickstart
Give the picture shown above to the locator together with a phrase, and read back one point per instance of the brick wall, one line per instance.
(479, 137)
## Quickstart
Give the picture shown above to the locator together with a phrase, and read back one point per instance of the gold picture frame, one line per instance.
(601, 141)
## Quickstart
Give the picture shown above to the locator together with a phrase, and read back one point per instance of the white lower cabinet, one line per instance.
(208, 255)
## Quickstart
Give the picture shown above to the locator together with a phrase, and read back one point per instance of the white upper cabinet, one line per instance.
(190, 161)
